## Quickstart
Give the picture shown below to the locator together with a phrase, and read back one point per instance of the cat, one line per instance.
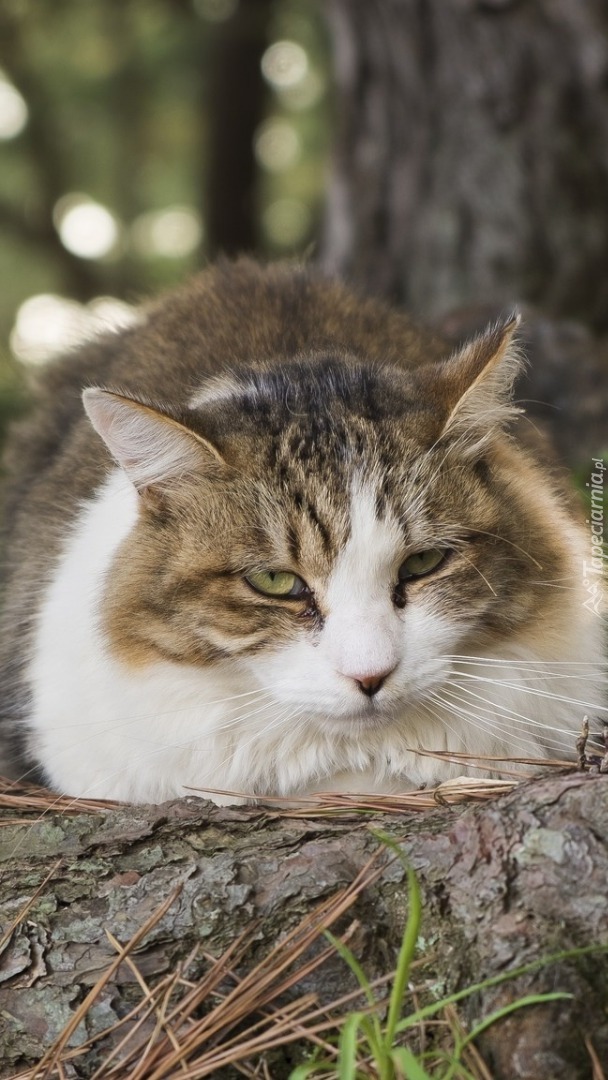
(287, 546)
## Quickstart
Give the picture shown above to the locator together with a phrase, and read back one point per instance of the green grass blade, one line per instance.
(530, 999)
(347, 1047)
(375, 1035)
(311, 1068)
(372, 1030)
(496, 980)
(404, 960)
(408, 1064)
(408, 942)
(506, 1010)
(354, 965)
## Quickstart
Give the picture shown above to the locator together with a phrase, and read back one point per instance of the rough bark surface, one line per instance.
(471, 160)
(503, 884)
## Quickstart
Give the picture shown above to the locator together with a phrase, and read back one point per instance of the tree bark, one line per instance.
(471, 161)
(469, 176)
(504, 884)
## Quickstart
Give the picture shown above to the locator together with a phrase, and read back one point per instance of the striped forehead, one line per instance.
(356, 530)
(317, 525)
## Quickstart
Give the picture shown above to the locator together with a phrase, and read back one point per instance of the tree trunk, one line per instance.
(471, 162)
(470, 176)
(504, 884)
(238, 98)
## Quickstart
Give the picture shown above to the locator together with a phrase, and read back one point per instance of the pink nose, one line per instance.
(371, 684)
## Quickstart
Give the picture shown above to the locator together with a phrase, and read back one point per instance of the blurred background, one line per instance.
(137, 139)
(451, 157)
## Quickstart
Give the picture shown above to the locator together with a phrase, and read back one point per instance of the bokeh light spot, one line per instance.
(172, 233)
(305, 94)
(47, 325)
(13, 111)
(284, 64)
(277, 146)
(85, 227)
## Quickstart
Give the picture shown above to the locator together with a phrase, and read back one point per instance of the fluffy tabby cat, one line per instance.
(289, 548)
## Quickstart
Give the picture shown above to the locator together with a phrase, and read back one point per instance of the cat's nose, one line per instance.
(371, 684)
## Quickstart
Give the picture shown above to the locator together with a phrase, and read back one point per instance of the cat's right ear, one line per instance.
(154, 450)
(474, 386)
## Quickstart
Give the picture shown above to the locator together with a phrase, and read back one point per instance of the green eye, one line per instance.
(421, 563)
(277, 583)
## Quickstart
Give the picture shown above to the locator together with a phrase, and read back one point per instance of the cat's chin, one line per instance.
(368, 717)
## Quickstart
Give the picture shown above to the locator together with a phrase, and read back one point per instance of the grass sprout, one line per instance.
(368, 1047)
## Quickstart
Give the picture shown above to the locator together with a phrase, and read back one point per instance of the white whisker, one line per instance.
(459, 744)
(512, 716)
(482, 576)
(503, 733)
(549, 694)
(495, 536)
(532, 661)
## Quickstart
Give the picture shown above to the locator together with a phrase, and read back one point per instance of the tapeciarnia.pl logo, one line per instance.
(593, 569)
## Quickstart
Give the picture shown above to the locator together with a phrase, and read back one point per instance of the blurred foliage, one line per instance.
(121, 102)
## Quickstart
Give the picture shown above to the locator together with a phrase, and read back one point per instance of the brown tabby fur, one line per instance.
(176, 590)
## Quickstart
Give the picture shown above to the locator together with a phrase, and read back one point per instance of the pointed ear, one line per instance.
(154, 450)
(476, 384)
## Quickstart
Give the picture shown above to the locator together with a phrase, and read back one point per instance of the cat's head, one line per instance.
(336, 528)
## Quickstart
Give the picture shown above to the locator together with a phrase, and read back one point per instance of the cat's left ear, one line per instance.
(476, 385)
(154, 450)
